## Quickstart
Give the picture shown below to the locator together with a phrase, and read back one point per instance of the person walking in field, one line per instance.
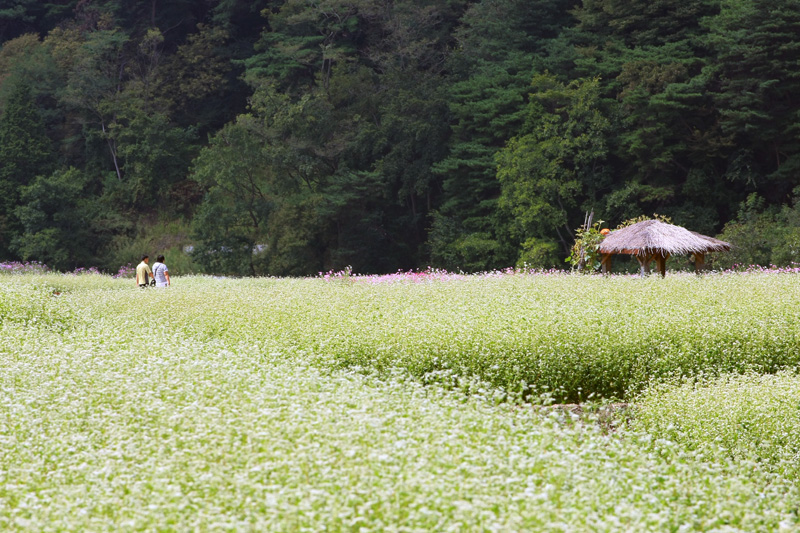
(143, 272)
(161, 272)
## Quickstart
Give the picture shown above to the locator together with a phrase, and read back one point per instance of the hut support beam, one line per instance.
(644, 264)
(661, 263)
(605, 264)
(699, 262)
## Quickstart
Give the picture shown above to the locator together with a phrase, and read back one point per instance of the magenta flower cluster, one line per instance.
(125, 271)
(27, 267)
(793, 268)
(79, 271)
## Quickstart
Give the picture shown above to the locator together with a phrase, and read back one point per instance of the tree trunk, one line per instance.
(112, 149)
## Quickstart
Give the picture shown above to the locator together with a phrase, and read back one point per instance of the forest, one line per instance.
(286, 138)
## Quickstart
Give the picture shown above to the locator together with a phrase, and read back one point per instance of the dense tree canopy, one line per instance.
(287, 137)
(25, 152)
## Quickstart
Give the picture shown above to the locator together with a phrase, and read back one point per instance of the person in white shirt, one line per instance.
(161, 272)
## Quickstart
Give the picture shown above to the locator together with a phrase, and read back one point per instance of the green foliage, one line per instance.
(754, 75)
(551, 171)
(232, 219)
(667, 142)
(402, 134)
(25, 152)
(585, 252)
(642, 218)
(153, 154)
(26, 61)
(487, 98)
(454, 249)
(762, 235)
(538, 253)
(196, 73)
(487, 108)
(306, 39)
(55, 217)
(25, 149)
(16, 15)
(351, 156)
(154, 237)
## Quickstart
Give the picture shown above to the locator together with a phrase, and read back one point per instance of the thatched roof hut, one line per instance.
(655, 240)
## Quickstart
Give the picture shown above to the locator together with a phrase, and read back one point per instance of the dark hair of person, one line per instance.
(160, 258)
(145, 257)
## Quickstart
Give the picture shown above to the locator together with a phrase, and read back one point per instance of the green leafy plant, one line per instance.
(585, 253)
(642, 218)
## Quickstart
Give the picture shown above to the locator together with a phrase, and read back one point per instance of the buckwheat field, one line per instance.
(424, 402)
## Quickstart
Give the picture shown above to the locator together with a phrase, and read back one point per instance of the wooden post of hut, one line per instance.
(699, 262)
(605, 263)
(661, 263)
(644, 263)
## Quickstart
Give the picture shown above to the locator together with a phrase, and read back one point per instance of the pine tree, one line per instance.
(755, 83)
(499, 42)
(25, 152)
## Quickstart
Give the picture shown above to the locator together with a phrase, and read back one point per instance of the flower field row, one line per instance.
(572, 336)
(575, 336)
(232, 405)
(750, 418)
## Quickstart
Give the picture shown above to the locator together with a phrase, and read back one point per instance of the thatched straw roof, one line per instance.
(652, 236)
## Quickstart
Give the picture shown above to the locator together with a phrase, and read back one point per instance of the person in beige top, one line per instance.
(143, 272)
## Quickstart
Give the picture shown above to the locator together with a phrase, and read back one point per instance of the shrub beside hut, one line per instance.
(654, 240)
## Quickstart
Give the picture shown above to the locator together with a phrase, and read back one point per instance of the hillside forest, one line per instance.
(290, 137)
